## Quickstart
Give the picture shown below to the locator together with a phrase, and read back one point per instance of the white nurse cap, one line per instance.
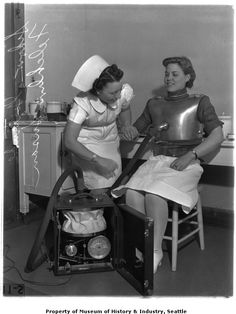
(89, 72)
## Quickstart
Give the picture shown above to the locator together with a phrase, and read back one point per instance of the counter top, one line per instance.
(225, 143)
(38, 122)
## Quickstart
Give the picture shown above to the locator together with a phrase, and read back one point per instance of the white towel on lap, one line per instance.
(155, 176)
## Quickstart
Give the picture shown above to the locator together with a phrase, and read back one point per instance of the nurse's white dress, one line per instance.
(99, 133)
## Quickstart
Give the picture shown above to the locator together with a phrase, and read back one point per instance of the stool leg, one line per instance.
(200, 223)
(175, 215)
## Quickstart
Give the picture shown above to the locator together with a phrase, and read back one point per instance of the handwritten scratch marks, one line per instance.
(38, 59)
(10, 153)
(19, 36)
(37, 55)
(37, 36)
(35, 152)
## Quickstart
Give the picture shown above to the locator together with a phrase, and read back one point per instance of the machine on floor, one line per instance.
(83, 233)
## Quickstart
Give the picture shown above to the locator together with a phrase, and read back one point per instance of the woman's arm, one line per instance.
(127, 130)
(209, 145)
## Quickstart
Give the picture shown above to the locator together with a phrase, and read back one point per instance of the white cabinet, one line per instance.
(42, 158)
(225, 157)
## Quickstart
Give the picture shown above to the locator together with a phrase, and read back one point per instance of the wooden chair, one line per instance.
(194, 219)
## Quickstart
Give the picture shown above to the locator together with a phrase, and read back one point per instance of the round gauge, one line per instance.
(71, 249)
(99, 247)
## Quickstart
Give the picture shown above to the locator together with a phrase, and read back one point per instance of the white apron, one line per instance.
(155, 176)
(107, 148)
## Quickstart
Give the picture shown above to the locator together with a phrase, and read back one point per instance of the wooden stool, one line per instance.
(194, 218)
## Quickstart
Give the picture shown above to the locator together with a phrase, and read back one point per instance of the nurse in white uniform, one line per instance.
(91, 133)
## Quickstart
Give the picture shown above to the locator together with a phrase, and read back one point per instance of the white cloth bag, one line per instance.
(85, 222)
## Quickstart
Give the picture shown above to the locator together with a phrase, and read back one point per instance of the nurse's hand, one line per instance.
(182, 162)
(128, 133)
(106, 167)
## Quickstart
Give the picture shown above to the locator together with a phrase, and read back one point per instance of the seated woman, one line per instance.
(174, 170)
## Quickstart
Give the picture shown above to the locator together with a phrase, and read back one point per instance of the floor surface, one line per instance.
(199, 273)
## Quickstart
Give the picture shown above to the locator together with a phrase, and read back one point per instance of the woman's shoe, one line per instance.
(157, 258)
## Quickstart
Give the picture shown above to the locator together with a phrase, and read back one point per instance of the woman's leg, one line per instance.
(157, 209)
(136, 200)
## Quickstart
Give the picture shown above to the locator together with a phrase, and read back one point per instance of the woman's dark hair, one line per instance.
(186, 66)
(111, 74)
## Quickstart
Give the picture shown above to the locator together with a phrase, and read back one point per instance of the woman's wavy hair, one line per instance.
(111, 74)
(186, 66)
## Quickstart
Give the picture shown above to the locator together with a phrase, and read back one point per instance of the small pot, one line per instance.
(227, 127)
(33, 108)
(54, 107)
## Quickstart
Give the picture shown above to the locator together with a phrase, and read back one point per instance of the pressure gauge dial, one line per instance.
(71, 249)
(99, 247)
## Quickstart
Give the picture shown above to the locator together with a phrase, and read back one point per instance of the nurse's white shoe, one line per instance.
(157, 258)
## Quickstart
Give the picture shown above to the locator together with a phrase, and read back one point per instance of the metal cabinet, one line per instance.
(42, 158)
